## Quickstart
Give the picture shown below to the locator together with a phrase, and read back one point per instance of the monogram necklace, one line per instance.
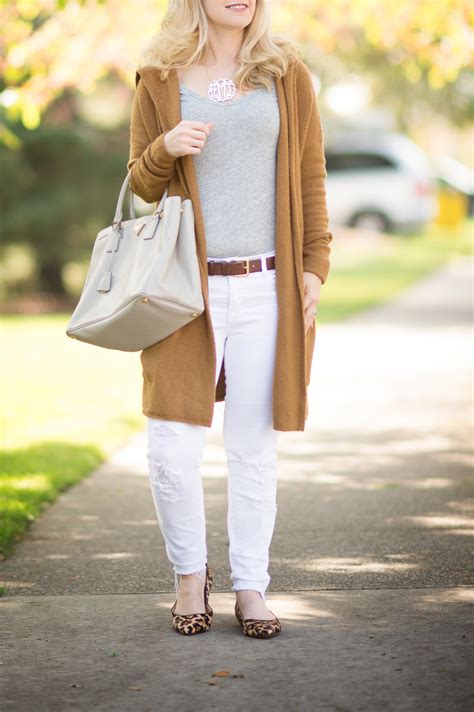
(220, 89)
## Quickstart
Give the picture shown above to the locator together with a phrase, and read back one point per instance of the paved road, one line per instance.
(371, 565)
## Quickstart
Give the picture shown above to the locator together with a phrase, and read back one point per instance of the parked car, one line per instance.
(381, 181)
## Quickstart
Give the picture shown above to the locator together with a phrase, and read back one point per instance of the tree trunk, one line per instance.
(50, 279)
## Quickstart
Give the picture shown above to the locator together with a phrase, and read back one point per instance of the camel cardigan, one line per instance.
(179, 371)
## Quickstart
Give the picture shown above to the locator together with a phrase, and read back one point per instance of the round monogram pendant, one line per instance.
(221, 89)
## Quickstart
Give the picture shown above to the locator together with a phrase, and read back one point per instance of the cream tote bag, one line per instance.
(143, 282)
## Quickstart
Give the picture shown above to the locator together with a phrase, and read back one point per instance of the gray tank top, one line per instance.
(236, 170)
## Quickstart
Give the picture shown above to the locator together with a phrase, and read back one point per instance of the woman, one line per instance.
(226, 115)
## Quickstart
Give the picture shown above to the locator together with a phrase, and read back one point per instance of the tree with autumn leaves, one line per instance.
(56, 53)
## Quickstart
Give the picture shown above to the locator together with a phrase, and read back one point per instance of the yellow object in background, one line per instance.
(452, 208)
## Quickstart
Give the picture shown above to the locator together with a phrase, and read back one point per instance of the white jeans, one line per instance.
(244, 317)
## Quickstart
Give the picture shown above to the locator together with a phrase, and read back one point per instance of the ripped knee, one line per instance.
(263, 471)
(261, 476)
(168, 482)
(262, 505)
(160, 429)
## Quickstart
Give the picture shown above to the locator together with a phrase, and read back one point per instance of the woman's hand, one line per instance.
(312, 287)
(187, 137)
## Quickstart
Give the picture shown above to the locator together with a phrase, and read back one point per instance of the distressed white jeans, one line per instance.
(244, 317)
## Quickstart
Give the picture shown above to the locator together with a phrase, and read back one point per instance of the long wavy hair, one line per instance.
(183, 41)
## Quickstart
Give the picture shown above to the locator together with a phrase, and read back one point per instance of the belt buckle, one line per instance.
(247, 270)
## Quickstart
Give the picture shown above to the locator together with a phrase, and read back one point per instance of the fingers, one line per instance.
(196, 133)
(309, 315)
(188, 137)
(309, 322)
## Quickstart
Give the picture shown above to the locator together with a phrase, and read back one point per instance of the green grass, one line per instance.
(67, 405)
(368, 272)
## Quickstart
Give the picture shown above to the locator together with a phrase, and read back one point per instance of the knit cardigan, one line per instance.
(179, 372)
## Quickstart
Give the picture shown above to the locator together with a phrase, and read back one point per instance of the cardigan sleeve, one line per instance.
(150, 164)
(316, 237)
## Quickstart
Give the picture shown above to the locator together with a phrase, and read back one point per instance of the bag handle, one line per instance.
(119, 209)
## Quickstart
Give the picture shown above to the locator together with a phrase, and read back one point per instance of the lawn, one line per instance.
(368, 270)
(67, 405)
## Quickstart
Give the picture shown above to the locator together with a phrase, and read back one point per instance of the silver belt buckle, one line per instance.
(247, 270)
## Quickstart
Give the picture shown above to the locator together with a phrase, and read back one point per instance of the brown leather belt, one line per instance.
(239, 268)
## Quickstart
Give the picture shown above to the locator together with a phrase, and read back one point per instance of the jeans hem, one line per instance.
(189, 569)
(250, 585)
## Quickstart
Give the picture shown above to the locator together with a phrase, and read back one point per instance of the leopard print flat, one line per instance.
(191, 623)
(258, 627)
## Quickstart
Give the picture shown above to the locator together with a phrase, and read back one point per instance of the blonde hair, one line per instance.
(183, 38)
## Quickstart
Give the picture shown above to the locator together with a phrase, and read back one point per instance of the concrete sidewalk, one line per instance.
(371, 566)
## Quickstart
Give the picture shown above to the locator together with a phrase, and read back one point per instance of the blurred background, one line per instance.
(396, 96)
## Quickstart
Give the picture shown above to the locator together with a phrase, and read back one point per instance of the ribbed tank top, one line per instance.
(236, 170)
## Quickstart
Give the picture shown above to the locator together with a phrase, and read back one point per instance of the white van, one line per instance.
(380, 181)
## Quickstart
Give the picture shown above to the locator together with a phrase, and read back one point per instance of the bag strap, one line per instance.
(119, 209)
(131, 204)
